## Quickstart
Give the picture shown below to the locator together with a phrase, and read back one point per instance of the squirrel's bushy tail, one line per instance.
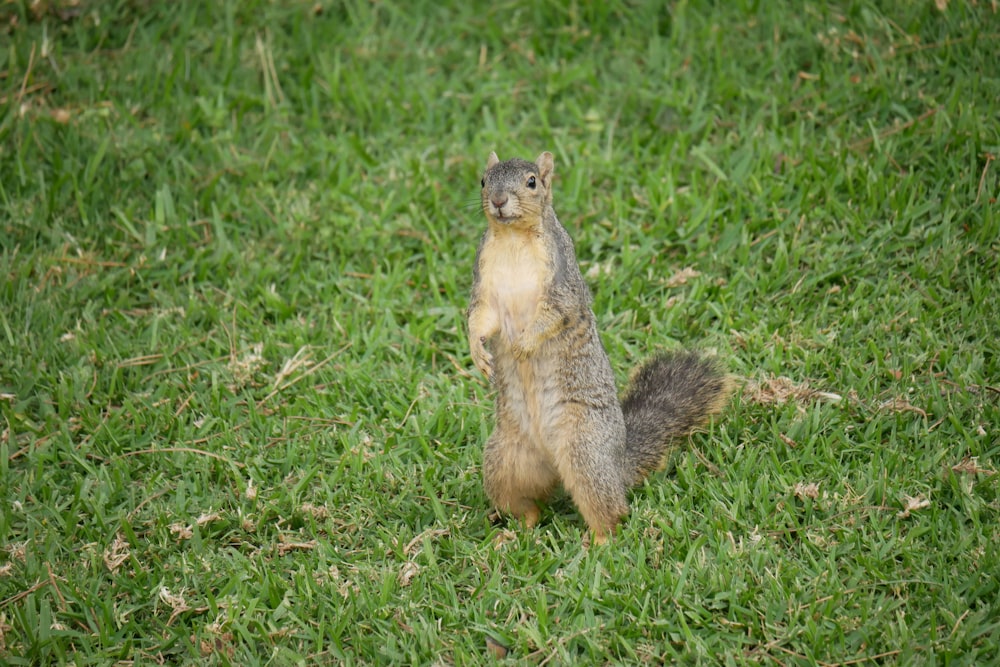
(668, 397)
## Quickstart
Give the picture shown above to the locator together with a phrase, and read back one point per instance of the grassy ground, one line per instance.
(238, 420)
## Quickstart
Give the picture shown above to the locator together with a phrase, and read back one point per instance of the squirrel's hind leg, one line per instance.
(516, 475)
(602, 508)
(591, 470)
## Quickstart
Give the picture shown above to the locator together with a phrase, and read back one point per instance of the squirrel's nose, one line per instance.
(499, 201)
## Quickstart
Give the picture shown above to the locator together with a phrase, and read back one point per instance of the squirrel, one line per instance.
(533, 332)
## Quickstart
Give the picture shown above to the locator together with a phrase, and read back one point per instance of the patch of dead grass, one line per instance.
(778, 390)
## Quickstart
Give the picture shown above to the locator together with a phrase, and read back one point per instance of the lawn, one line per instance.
(239, 423)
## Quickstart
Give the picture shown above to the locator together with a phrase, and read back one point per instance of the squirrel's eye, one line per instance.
(531, 182)
(482, 183)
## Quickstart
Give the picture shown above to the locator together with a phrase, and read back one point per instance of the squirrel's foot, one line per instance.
(531, 517)
(595, 538)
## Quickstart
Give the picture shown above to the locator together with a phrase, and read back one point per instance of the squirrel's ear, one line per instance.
(546, 165)
(492, 160)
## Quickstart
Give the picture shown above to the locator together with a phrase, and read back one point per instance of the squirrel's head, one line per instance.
(517, 190)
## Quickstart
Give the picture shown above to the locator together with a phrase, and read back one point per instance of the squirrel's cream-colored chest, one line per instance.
(514, 272)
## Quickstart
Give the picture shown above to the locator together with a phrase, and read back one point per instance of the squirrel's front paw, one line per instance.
(520, 350)
(481, 357)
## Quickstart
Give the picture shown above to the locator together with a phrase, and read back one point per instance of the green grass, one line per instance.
(239, 423)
